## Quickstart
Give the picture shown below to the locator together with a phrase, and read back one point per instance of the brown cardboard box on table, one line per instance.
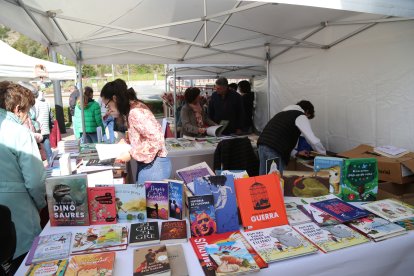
(405, 193)
(397, 170)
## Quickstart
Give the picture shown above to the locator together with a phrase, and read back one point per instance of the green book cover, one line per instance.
(359, 179)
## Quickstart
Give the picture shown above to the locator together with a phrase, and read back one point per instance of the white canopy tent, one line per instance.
(16, 66)
(356, 67)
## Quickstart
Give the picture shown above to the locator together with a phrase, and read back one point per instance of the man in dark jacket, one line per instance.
(73, 97)
(280, 135)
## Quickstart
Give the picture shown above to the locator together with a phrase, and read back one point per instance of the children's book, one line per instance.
(188, 174)
(144, 233)
(151, 260)
(91, 264)
(273, 165)
(279, 243)
(295, 215)
(199, 243)
(67, 200)
(176, 257)
(130, 203)
(225, 203)
(330, 238)
(377, 228)
(408, 224)
(49, 247)
(174, 231)
(390, 209)
(157, 199)
(235, 173)
(231, 258)
(360, 179)
(340, 210)
(261, 202)
(333, 165)
(176, 195)
(101, 202)
(305, 183)
(50, 268)
(202, 216)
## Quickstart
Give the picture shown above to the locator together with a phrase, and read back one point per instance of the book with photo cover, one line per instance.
(157, 199)
(144, 233)
(174, 231)
(50, 268)
(49, 247)
(151, 260)
(176, 198)
(202, 216)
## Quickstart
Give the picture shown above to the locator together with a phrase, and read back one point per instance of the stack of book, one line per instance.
(376, 228)
(68, 146)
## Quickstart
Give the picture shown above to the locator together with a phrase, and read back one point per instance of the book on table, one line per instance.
(144, 233)
(176, 257)
(91, 264)
(390, 209)
(201, 215)
(130, 203)
(305, 183)
(333, 165)
(176, 198)
(188, 174)
(156, 193)
(101, 205)
(49, 247)
(174, 231)
(49, 268)
(151, 260)
(377, 228)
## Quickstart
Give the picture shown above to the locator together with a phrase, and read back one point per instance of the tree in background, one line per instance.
(31, 47)
(4, 32)
(89, 71)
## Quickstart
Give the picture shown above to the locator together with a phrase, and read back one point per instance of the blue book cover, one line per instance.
(131, 203)
(340, 209)
(201, 215)
(225, 203)
(176, 193)
(334, 167)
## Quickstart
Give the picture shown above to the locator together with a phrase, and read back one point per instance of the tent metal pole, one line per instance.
(268, 80)
(80, 88)
(60, 117)
(175, 103)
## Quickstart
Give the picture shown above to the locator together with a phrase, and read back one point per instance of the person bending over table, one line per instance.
(144, 132)
(193, 118)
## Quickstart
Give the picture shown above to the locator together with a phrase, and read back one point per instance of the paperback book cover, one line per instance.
(377, 228)
(50, 268)
(390, 209)
(151, 260)
(101, 202)
(261, 202)
(176, 195)
(130, 203)
(294, 214)
(279, 243)
(330, 238)
(333, 165)
(188, 174)
(340, 210)
(174, 231)
(225, 203)
(202, 216)
(176, 257)
(360, 179)
(49, 247)
(157, 199)
(144, 233)
(91, 264)
(305, 183)
(273, 165)
(67, 200)
(231, 257)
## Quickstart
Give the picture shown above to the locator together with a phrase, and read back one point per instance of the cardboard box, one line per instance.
(404, 193)
(396, 170)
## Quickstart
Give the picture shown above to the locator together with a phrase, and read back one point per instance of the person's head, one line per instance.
(73, 88)
(244, 86)
(88, 94)
(307, 106)
(116, 97)
(222, 85)
(16, 99)
(191, 95)
(233, 86)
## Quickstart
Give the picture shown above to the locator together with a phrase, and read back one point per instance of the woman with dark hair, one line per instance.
(144, 132)
(193, 118)
(22, 187)
(245, 90)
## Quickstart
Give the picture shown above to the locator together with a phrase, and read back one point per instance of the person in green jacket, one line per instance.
(93, 119)
(22, 175)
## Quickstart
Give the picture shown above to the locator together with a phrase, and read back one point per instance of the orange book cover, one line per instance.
(91, 264)
(260, 201)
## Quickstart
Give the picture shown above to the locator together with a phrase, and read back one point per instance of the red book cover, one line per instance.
(102, 209)
(199, 243)
(260, 201)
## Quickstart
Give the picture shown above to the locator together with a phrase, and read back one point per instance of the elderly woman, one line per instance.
(22, 186)
(193, 118)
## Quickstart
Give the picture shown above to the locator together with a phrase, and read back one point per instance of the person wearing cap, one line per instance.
(280, 136)
(226, 104)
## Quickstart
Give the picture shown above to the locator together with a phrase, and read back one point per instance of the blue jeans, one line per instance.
(159, 169)
(47, 147)
(89, 138)
(266, 153)
(109, 123)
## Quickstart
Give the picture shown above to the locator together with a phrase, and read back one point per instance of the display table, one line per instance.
(390, 257)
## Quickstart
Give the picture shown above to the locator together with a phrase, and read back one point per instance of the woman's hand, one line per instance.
(124, 157)
(202, 130)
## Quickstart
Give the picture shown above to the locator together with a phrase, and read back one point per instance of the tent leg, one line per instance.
(60, 117)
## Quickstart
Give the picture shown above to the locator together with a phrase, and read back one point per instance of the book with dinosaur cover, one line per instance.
(144, 233)
(67, 200)
(261, 201)
(202, 216)
(340, 210)
(279, 243)
(176, 195)
(101, 206)
(360, 179)
(377, 228)
(130, 203)
(176, 257)
(49, 247)
(390, 209)
(330, 238)
(151, 260)
(91, 264)
(305, 183)
(174, 231)
(333, 165)
(50, 268)
(225, 203)
(157, 199)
